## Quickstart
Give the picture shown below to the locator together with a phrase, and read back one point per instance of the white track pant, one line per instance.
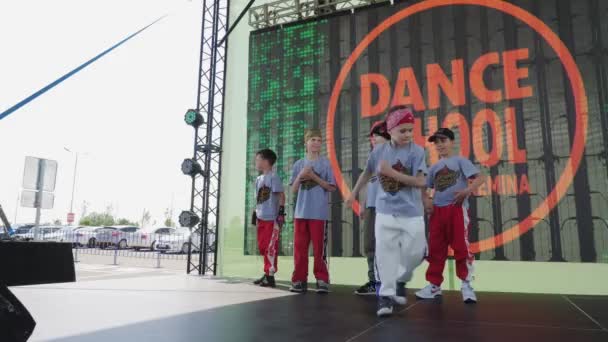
(400, 248)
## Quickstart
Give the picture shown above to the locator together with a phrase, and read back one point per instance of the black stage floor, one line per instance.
(342, 316)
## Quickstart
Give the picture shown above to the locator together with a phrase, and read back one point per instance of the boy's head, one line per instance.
(378, 134)
(265, 159)
(400, 124)
(313, 140)
(444, 141)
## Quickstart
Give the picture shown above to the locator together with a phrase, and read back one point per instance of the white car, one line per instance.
(83, 236)
(55, 233)
(177, 242)
(45, 233)
(119, 236)
(148, 238)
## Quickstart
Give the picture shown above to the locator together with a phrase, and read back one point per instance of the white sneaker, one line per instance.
(399, 300)
(429, 292)
(468, 295)
(385, 306)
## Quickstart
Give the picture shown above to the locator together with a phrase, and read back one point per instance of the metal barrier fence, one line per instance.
(117, 244)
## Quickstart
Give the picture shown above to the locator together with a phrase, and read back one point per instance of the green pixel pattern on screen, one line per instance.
(282, 100)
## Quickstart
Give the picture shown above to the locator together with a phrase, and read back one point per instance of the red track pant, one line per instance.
(305, 231)
(449, 226)
(268, 243)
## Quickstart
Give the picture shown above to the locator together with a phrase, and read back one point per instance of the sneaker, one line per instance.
(268, 282)
(385, 307)
(401, 294)
(322, 287)
(468, 294)
(298, 287)
(429, 292)
(259, 281)
(366, 289)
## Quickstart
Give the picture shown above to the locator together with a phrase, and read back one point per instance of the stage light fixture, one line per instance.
(193, 118)
(191, 167)
(188, 219)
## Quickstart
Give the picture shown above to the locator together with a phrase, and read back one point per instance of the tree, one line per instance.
(97, 219)
(145, 218)
(169, 218)
(57, 222)
(125, 222)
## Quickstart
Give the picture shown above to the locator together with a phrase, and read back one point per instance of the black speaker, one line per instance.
(16, 323)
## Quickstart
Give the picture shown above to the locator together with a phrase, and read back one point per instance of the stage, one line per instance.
(29, 263)
(139, 305)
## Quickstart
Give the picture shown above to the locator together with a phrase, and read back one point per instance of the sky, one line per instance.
(123, 114)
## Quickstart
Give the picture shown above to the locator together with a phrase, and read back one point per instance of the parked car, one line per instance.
(118, 236)
(177, 242)
(48, 233)
(81, 236)
(55, 233)
(22, 231)
(149, 238)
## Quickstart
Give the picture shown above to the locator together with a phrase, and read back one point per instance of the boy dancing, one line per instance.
(400, 236)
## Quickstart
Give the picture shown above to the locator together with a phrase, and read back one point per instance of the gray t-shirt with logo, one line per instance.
(313, 200)
(268, 188)
(448, 176)
(393, 197)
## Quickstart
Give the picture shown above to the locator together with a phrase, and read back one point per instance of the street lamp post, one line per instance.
(73, 181)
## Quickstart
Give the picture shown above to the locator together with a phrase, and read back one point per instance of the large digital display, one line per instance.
(524, 85)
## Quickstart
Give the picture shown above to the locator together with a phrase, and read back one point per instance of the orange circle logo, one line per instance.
(578, 91)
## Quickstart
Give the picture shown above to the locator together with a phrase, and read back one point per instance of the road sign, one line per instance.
(28, 199)
(32, 172)
(39, 176)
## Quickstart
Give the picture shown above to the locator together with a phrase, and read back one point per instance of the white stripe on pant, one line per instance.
(271, 253)
(400, 248)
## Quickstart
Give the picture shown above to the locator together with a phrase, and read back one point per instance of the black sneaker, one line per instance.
(385, 306)
(259, 281)
(268, 282)
(401, 294)
(367, 289)
(322, 287)
(298, 287)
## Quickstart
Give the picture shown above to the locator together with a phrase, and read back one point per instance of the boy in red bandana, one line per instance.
(400, 236)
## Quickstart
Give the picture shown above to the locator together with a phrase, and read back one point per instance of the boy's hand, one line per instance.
(385, 169)
(362, 212)
(281, 216)
(349, 200)
(281, 220)
(306, 173)
(461, 196)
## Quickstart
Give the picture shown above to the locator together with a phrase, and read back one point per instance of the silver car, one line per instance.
(177, 242)
(120, 237)
(45, 233)
(83, 236)
(147, 239)
(55, 233)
